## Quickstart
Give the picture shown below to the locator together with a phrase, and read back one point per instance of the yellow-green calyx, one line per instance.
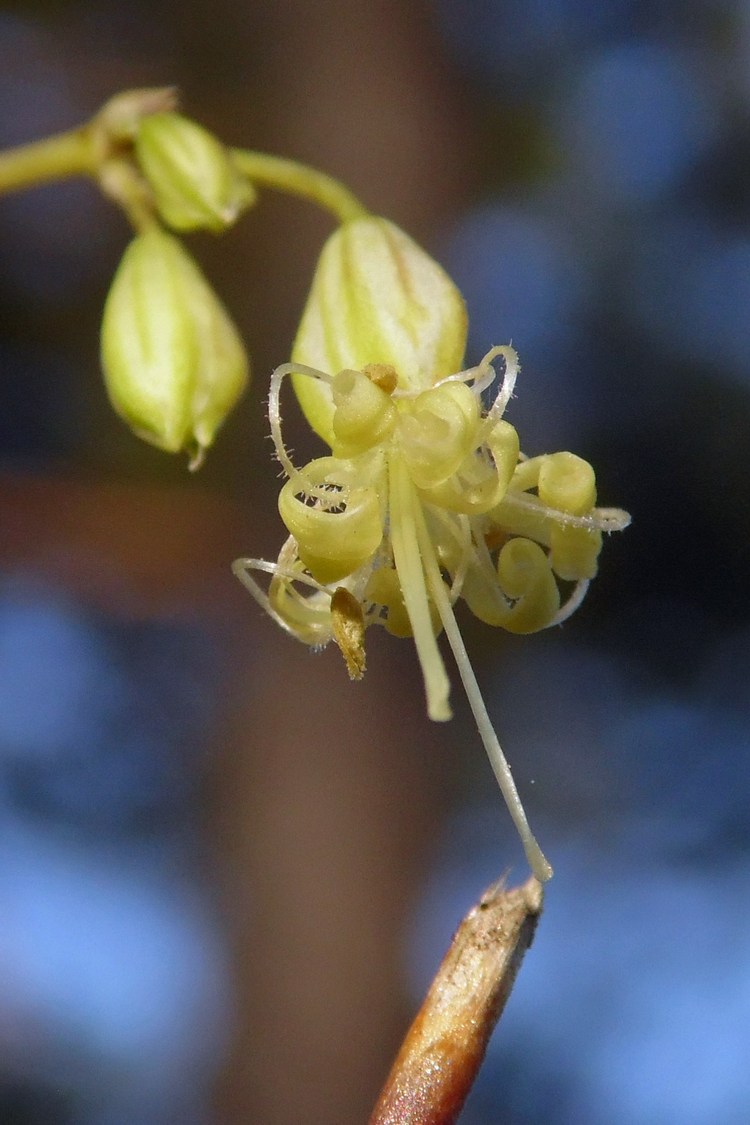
(174, 364)
(425, 498)
(376, 297)
(195, 182)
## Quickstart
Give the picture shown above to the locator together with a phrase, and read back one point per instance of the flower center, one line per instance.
(422, 484)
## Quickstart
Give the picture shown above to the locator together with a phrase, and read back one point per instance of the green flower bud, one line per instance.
(174, 364)
(194, 181)
(376, 298)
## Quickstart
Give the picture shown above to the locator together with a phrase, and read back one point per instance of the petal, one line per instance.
(376, 297)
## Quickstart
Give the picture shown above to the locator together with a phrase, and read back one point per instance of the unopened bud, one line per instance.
(376, 298)
(191, 173)
(174, 363)
(120, 117)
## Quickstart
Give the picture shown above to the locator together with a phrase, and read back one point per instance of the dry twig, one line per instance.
(445, 1045)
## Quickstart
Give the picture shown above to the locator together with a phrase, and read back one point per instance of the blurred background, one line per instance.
(226, 874)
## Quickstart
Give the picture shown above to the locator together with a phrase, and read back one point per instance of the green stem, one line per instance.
(79, 153)
(299, 179)
(537, 860)
(56, 158)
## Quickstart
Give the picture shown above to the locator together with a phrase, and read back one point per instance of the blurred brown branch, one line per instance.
(443, 1050)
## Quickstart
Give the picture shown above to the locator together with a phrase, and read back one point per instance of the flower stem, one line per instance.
(537, 861)
(299, 179)
(74, 153)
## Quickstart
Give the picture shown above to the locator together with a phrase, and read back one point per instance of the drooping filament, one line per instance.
(537, 860)
(409, 567)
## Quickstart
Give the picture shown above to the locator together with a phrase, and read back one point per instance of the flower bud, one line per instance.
(376, 298)
(120, 117)
(174, 364)
(191, 174)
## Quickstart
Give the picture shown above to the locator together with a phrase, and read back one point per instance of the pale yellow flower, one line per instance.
(425, 498)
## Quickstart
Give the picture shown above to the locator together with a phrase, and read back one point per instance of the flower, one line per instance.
(191, 173)
(174, 364)
(425, 498)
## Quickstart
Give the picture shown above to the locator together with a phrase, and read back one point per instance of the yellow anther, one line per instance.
(382, 375)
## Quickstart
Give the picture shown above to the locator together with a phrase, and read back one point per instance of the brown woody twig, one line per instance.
(443, 1050)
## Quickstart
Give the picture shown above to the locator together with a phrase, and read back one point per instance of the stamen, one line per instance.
(484, 380)
(537, 861)
(481, 377)
(599, 519)
(571, 605)
(458, 527)
(284, 569)
(503, 397)
(274, 418)
(348, 624)
(406, 556)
